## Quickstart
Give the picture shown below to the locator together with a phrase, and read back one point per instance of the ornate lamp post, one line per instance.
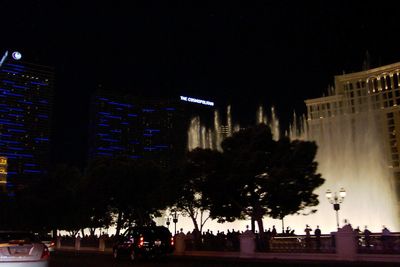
(336, 199)
(175, 219)
(168, 222)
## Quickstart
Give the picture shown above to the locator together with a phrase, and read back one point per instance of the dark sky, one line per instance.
(271, 52)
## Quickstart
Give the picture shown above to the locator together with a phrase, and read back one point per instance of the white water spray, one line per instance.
(351, 154)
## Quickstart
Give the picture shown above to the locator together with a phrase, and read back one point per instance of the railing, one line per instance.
(213, 243)
(86, 242)
(377, 244)
(302, 244)
(282, 244)
(325, 244)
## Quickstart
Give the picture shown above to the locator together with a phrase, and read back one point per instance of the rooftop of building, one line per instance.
(368, 73)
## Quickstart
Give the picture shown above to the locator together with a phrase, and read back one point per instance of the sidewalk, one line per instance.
(260, 256)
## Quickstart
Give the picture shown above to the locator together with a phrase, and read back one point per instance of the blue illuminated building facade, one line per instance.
(25, 107)
(135, 127)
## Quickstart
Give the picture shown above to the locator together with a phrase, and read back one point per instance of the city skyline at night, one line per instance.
(270, 53)
(157, 80)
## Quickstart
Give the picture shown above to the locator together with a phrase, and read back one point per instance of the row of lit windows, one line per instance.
(384, 83)
(374, 85)
(384, 100)
(358, 85)
(27, 76)
(356, 93)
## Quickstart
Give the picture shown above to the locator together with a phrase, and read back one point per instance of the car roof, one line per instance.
(159, 229)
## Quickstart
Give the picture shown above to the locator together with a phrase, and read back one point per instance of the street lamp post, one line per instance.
(168, 222)
(175, 219)
(336, 199)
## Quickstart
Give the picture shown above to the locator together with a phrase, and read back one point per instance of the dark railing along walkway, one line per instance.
(378, 244)
(296, 243)
(280, 244)
(276, 244)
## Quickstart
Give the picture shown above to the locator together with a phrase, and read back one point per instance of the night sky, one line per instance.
(271, 52)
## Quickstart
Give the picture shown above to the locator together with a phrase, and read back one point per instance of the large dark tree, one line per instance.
(199, 166)
(60, 199)
(292, 173)
(264, 177)
(131, 189)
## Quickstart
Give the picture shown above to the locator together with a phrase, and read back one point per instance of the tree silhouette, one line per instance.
(263, 177)
(199, 166)
(130, 188)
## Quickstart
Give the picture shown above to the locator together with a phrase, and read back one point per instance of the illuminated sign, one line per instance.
(3, 58)
(16, 55)
(195, 100)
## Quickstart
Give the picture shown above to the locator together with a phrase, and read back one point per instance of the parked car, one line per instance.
(48, 241)
(148, 241)
(21, 249)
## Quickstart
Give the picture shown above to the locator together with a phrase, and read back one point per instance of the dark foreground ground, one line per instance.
(67, 259)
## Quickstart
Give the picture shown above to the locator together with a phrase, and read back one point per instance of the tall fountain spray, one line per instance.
(203, 137)
(261, 117)
(351, 154)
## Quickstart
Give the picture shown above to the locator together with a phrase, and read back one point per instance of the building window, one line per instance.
(395, 80)
(363, 84)
(388, 83)
(382, 83)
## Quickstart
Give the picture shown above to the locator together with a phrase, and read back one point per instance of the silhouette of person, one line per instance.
(367, 237)
(357, 232)
(273, 232)
(308, 235)
(386, 238)
(317, 233)
(287, 232)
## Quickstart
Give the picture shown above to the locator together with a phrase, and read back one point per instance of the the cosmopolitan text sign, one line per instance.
(196, 100)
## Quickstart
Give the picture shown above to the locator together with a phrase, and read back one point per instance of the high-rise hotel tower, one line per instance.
(25, 111)
(369, 103)
(136, 127)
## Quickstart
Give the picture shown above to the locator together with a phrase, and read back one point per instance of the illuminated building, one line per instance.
(25, 106)
(375, 92)
(135, 127)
